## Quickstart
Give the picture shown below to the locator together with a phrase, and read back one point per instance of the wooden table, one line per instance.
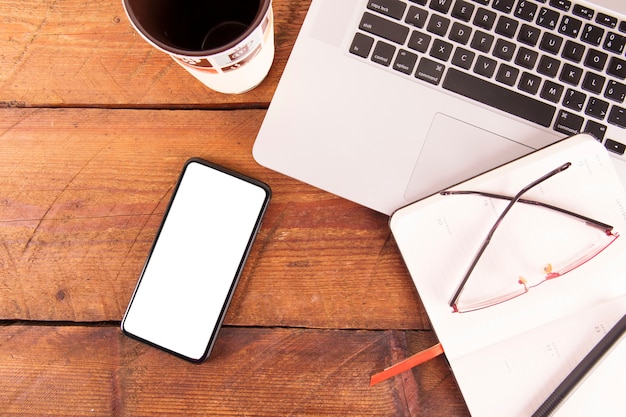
(94, 128)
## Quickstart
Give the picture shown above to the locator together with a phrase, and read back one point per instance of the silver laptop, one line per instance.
(386, 101)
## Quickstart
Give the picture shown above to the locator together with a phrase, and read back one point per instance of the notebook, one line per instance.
(386, 101)
(511, 354)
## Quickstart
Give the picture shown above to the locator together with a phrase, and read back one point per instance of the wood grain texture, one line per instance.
(85, 53)
(95, 126)
(85, 190)
(79, 371)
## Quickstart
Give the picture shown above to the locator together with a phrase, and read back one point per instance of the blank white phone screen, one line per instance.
(191, 272)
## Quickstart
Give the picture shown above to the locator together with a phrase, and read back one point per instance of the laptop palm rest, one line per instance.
(455, 151)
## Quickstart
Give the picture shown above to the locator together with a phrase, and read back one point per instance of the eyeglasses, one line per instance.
(523, 285)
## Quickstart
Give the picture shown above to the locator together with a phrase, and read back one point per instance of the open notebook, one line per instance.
(510, 356)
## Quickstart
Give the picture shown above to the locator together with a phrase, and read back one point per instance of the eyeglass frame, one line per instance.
(608, 229)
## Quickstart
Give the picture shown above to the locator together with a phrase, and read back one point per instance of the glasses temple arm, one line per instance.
(591, 222)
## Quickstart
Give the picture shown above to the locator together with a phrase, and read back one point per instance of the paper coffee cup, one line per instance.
(226, 44)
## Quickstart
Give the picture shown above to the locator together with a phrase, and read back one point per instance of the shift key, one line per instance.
(384, 28)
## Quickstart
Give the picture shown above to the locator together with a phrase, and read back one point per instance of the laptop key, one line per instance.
(614, 43)
(597, 108)
(462, 10)
(361, 45)
(548, 18)
(617, 117)
(597, 130)
(583, 11)
(405, 62)
(499, 97)
(614, 146)
(526, 10)
(441, 50)
(416, 17)
(615, 91)
(383, 53)
(568, 123)
(441, 5)
(419, 41)
(617, 68)
(429, 71)
(384, 28)
(391, 8)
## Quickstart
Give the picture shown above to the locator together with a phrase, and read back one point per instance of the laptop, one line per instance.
(384, 102)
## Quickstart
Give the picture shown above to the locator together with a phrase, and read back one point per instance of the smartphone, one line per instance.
(196, 259)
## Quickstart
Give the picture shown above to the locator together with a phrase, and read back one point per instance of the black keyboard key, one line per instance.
(617, 68)
(597, 130)
(504, 6)
(526, 58)
(529, 35)
(551, 91)
(561, 4)
(595, 59)
(574, 100)
(614, 43)
(485, 2)
(593, 82)
(441, 50)
(441, 5)
(506, 26)
(597, 108)
(391, 8)
(384, 28)
(419, 41)
(615, 146)
(484, 18)
(573, 51)
(463, 10)
(361, 45)
(416, 17)
(615, 91)
(460, 33)
(482, 41)
(429, 71)
(617, 117)
(570, 26)
(571, 74)
(485, 66)
(405, 62)
(420, 2)
(592, 35)
(438, 25)
(526, 10)
(568, 123)
(551, 43)
(499, 97)
(529, 83)
(606, 20)
(507, 75)
(548, 66)
(548, 18)
(504, 49)
(463, 58)
(383, 53)
(583, 11)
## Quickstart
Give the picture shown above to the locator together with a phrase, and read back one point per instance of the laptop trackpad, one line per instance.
(455, 151)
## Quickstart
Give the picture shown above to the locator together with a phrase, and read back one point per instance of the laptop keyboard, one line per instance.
(556, 63)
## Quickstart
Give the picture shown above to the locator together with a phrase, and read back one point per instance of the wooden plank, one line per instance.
(85, 53)
(78, 371)
(84, 190)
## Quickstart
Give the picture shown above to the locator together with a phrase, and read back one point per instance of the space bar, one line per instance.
(499, 97)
